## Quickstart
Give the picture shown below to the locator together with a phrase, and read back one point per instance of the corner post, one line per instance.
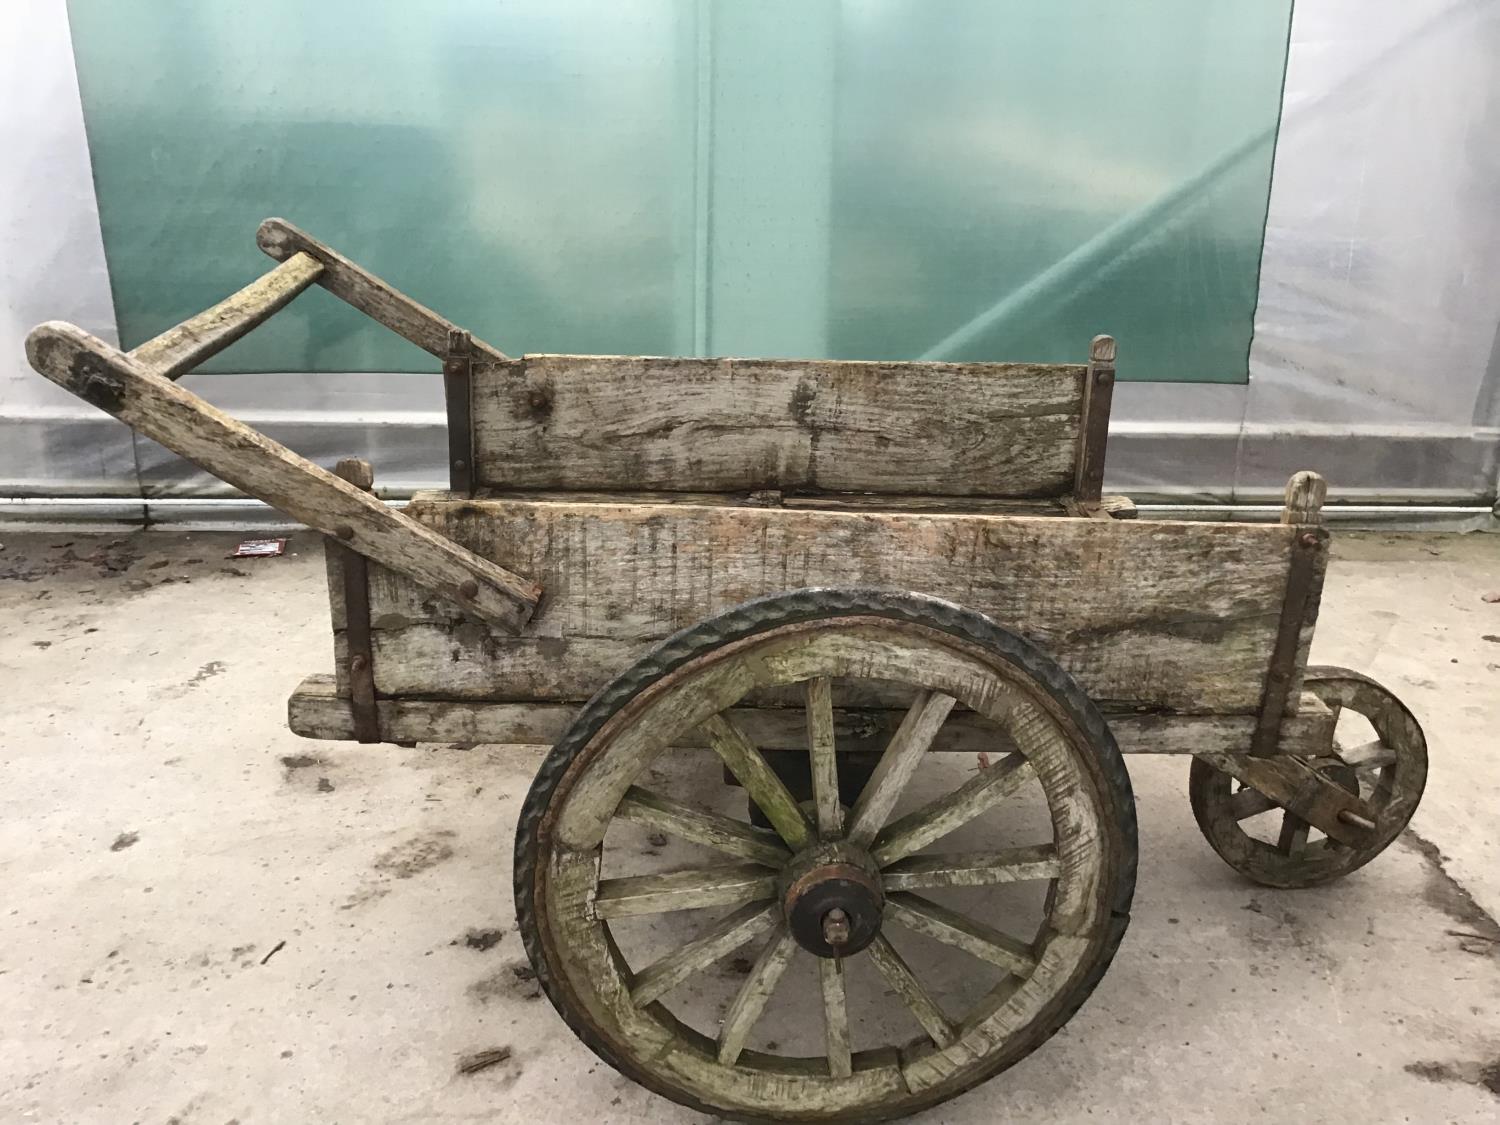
(1093, 432)
(458, 384)
(356, 576)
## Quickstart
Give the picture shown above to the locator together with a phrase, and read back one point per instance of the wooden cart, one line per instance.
(814, 576)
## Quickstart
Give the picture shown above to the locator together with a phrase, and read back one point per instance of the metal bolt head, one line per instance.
(469, 589)
(836, 928)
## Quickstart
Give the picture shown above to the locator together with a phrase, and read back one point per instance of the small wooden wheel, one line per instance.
(1266, 843)
(849, 897)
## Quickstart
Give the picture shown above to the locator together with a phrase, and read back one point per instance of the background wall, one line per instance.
(1374, 356)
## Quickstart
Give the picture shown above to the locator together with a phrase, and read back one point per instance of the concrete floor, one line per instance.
(207, 919)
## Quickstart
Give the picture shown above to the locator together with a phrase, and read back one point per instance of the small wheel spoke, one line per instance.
(751, 769)
(823, 758)
(724, 885)
(732, 837)
(973, 869)
(753, 995)
(666, 973)
(955, 929)
(906, 986)
(1368, 755)
(952, 811)
(835, 1016)
(1250, 802)
(897, 764)
(1292, 840)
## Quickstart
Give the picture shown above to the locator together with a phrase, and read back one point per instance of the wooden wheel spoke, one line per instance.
(823, 758)
(905, 984)
(835, 1016)
(973, 869)
(666, 973)
(955, 929)
(1292, 841)
(952, 811)
(724, 885)
(1369, 755)
(897, 764)
(1250, 802)
(751, 769)
(687, 822)
(753, 995)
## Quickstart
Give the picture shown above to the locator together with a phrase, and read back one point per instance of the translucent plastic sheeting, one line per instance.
(876, 178)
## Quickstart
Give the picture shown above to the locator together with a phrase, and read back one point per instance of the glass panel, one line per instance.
(878, 178)
(513, 166)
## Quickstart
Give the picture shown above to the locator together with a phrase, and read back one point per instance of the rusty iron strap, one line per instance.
(1308, 548)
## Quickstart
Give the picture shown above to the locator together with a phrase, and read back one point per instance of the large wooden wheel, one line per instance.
(1266, 843)
(846, 893)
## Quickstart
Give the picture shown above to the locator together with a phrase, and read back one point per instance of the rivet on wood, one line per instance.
(469, 589)
(1308, 539)
(359, 663)
(344, 531)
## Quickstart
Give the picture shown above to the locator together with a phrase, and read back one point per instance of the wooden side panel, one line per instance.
(1174, 616)
(627, 423)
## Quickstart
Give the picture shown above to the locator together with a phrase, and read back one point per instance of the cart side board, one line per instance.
(626, 423)
(1170, 617)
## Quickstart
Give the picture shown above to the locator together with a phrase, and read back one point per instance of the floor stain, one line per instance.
(1447, 894)
(416, 855)
(207, 672)
(300, 761)
(1485, 1075)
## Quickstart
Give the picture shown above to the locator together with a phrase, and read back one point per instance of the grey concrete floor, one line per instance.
(204, 918)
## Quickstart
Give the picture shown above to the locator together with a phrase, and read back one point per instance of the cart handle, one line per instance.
(137, 388)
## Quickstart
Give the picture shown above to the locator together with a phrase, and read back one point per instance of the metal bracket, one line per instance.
(458, 380)
(1309, 551)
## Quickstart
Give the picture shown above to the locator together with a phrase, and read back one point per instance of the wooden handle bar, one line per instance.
(178, 350)
(165, 412)
(366, 292)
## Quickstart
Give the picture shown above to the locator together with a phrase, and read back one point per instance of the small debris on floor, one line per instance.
(482, 1060)
(1492, 597)
(657, 839)
(324, 785)
(275, 949)
(258, 549)
(124, 840)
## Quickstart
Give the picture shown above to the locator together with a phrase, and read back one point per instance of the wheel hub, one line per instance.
(832, 900)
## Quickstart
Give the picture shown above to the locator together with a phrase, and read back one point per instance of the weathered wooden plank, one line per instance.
(952, 928)
(366, 292)
(835, 1016)
(973, 869)
(630, 422)
(905, 984)
(822, 752)
(951, 811)
(180, 349)
(732, 837)
(907, 748)
(751, 999)
(1116, 506)
(1173, 616)
(318, 709)
(767, 790)
(232, 451)
(667, 972)
(722, 885)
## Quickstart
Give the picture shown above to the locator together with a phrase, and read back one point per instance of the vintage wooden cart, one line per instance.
(813, 575)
